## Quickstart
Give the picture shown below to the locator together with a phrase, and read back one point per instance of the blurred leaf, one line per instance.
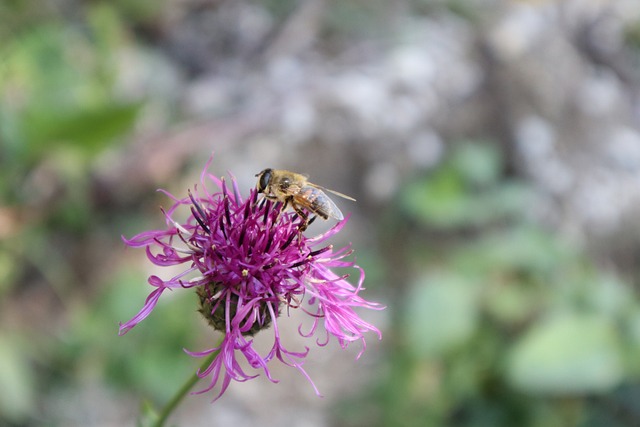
(88, 129)
(512, 302)
(465, 191)
(372, 263)
(438, 201)
(440, 314)
(609, 295)
(348, 19)
(149, 359)
(17, 381)
(142, 10)
(8, 270)
(632, 34)
(567, 354)
(522, 249)
(477, 163)
(57, 88)
(279, 9)
(107, 31)
(631, 340)
(464, 9)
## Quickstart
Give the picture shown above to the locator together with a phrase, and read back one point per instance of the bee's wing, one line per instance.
(291, 190)
(337, 193)
(313, 199)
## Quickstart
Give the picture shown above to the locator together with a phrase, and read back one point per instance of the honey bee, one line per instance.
(293, 189)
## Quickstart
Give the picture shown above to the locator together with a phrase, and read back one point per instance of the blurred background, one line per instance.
(493, 147)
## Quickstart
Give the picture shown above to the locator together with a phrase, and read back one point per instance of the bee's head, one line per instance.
(263, 180)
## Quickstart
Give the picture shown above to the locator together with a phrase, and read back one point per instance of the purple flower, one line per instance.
(249, 263)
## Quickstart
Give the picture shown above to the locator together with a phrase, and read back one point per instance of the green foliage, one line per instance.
(61, 107)
(463, 192)
(57, 93)
(632, 34)
(16, 378)
(441, 313)
(88, 130)
(148, 361)
(502, 323)
(567, 354)
(149, 358)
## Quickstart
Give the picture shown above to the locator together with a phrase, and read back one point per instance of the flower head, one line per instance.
(249, 262)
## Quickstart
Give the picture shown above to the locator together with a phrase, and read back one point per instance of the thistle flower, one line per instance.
(249, 263)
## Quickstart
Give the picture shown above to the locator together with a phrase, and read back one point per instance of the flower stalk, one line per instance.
(181, 393)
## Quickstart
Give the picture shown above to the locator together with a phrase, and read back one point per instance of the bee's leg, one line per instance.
(313, 218)
(283, 208)
(305, 218)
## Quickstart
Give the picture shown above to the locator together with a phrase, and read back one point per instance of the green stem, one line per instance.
(177, 398)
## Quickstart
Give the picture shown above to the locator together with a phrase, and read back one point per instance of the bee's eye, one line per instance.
(265, 177)
(284, 183)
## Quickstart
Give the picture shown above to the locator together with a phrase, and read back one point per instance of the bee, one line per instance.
(293, 189)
